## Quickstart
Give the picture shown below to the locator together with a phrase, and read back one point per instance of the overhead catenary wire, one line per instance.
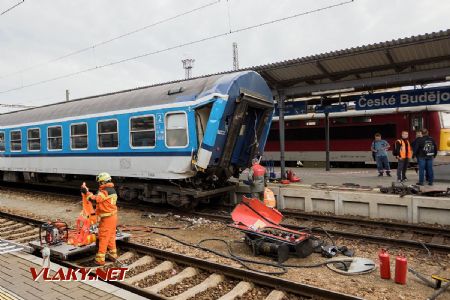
(229, 14)
(101, 43)
(208, 38)
(15, 105)
(11, 8)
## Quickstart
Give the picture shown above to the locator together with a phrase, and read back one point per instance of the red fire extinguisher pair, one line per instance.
(401, 267)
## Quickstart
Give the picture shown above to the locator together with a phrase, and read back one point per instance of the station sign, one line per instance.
(433, 96)
(292, 108)
(332, 108)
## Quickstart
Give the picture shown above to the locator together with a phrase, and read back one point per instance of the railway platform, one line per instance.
(367, 202)
(361, 176)
(16, 282)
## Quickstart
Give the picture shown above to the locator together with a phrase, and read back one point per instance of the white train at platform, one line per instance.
(175, 143)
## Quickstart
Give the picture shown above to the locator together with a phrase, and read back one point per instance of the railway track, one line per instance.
(412, 235)
(382, 232)
(158, 274)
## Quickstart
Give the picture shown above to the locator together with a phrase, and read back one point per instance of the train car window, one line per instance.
(336, 133)
(445, 116)
(2, 142)
(142, 132)
(416, 123)
(176, 130)
(362, 119)
(78, 136)
(108, 136)
(243, 128)
(34, 139)
(292, 124)
(15, 140)
(54, 138)
(340, 120)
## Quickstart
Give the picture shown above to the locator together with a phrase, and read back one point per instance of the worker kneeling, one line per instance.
(106, 211)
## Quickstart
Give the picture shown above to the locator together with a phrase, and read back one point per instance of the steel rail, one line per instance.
(274, 282)
(378, 223)
(348, 221)
(242, 274)
(351, 235)
(20, 219)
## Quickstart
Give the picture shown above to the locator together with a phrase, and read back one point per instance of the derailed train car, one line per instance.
(176, 142)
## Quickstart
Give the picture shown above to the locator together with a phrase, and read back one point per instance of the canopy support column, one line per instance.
(281, 100)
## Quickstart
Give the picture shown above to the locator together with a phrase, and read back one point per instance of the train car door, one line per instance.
(201, 117)
(417, 122)
(248, 138)
(245, 130)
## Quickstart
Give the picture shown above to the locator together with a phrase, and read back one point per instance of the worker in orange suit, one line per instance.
(106, 211)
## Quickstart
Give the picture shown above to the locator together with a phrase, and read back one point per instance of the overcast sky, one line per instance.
(40, 30)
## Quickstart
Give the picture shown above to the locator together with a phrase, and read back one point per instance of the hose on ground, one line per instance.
(241, 260)
(245, 261)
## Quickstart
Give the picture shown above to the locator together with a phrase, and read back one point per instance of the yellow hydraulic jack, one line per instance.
(439, 280)
(440, 288)
(436, 284)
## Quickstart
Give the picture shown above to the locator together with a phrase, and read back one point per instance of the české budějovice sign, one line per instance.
(433, 96)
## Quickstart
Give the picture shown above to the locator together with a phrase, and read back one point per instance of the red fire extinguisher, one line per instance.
(401, 269)
(385, 265)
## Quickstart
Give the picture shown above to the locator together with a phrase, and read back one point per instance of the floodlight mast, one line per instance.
(188, 64)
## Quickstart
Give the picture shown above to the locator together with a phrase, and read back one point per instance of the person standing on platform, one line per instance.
(403, 152)
(413, 144)
(425, 150)
(379, 149)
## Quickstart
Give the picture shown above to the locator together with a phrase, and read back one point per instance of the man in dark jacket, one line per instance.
(425, 150)
(418, 135)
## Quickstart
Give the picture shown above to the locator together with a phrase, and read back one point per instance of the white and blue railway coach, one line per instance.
(164, 143)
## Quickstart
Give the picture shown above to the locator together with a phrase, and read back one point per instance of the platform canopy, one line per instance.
(415, 60)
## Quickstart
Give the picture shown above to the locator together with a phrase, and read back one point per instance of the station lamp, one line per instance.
(318, 93)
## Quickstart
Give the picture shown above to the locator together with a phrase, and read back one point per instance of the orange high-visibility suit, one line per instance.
(106, 211)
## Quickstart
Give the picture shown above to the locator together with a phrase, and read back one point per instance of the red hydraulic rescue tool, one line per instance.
(86, 223)
(264, 234)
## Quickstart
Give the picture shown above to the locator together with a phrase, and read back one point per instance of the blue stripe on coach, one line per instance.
(207, 147)
(84, 154)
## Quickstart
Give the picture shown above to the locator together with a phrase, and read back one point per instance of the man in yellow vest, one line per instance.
(403, 152)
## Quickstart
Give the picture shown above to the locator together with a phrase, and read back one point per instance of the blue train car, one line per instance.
(191, 134)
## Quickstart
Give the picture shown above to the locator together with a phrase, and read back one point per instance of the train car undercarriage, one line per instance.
(184, 193)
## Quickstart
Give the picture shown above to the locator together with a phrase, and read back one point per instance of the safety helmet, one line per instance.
(103, 177)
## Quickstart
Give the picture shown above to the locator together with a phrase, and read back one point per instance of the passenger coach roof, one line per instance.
(128, 99)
